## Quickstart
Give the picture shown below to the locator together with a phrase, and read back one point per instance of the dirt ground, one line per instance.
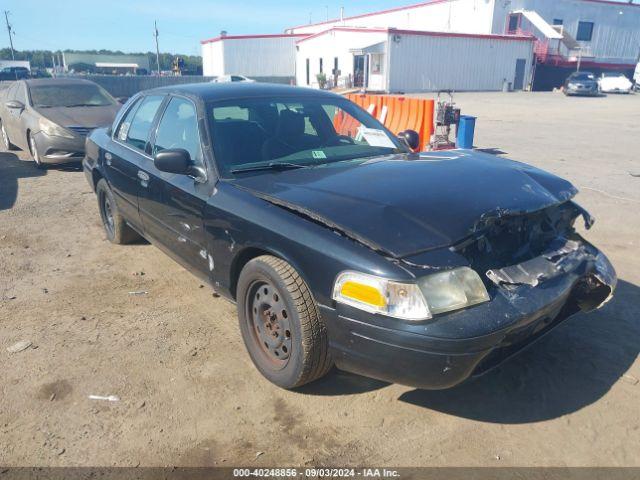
(189, 395)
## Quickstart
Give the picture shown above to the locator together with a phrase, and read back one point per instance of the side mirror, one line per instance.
(410, 138)
(173, 160)
(15, 104)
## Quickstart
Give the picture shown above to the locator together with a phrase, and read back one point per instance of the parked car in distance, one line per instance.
(14, 73)
(581, 83)
(636, 77)
(51, 118)
(614, 82)
(232, 78)
(338, 244)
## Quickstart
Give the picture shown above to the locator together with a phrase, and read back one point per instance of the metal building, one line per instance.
(262, 57)
(99, 63)
(569, 34)
(391, 60)
(564, 35)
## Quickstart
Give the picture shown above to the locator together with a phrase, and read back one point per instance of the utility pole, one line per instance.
(155, 34)
(6, 18)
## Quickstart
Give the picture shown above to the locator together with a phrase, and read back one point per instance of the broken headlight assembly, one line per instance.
(437, 293)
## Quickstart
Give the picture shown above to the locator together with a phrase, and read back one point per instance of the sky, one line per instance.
(128, 25)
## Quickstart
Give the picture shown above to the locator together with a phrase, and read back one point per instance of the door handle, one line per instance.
(144, 178)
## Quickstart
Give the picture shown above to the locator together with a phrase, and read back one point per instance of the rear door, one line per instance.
(172, 205)
(129, 152)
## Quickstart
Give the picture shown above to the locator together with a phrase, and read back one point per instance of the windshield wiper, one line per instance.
(85, 105)
(269, 166)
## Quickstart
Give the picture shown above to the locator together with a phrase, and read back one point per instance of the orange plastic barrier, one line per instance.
(396, 113)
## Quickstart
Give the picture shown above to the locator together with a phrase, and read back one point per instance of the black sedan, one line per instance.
(51, 118)
(339, 245)
(581, 83)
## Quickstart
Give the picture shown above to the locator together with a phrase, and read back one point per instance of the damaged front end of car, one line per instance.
(538, 271)
(516, 249)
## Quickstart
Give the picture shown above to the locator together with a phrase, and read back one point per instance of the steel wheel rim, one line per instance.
(34, 150)
(107, 214)
(269, 322)
(5, 138)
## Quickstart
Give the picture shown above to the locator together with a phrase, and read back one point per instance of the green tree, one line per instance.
(43, 58)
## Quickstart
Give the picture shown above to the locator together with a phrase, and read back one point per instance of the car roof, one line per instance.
(234, 90)
(35, 82)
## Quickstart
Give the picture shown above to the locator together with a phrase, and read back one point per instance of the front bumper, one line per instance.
(616, 90)
(57, 150)
(453, 347)
(584, 91)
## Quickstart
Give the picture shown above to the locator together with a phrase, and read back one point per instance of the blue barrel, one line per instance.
(466, 128)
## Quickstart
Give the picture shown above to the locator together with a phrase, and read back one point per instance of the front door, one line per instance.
(518, 81)
(125, 160)
(172, 205)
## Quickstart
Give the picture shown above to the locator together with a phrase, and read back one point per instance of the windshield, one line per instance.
(76, 95)
(582, 76)
(301, 131)
(613, 74)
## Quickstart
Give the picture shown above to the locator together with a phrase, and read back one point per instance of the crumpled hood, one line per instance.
(403, 206)
(91, 117)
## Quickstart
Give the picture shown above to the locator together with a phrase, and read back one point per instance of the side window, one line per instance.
(179, 129)
(123, 129)
(137, 130)
(585, 31)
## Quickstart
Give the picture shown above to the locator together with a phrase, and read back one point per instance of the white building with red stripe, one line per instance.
(442, 44)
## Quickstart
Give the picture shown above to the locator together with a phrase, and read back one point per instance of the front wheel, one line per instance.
(115, 226)
(281, 324)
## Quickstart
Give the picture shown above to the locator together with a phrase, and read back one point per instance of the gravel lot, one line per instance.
(189, 394)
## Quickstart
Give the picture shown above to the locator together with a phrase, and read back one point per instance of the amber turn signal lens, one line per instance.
(363, 293)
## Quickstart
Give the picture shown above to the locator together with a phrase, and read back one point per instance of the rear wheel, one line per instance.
(115, 227)
(6, 143)
(281, 324)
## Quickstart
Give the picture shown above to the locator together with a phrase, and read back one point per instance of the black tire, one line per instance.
(274, 301)
(6, 143)
(115, 227)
